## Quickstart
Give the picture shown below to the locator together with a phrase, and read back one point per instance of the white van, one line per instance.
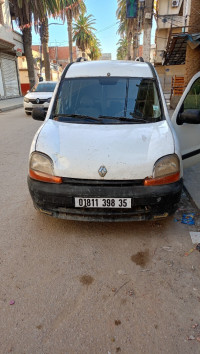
(107, 150)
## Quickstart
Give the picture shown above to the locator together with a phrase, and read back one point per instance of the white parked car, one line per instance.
(107, 150)
(39, 96)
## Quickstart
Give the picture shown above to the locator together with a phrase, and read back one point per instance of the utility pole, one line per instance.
(148, 12)
(131, 15)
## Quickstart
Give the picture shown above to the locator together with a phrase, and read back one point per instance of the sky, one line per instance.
(104, 12)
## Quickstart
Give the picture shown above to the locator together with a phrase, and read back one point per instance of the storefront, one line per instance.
(9, 81)
(10, 44)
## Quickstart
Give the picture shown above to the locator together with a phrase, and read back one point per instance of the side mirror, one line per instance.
(189, 116)
(38, 114)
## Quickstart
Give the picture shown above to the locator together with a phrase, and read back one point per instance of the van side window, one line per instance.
(192, 100)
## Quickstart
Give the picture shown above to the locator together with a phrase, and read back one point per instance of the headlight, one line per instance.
(166, 170)
(41, 168)
(26, 99)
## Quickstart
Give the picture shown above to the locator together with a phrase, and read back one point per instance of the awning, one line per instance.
(7, 46)
(176, 48)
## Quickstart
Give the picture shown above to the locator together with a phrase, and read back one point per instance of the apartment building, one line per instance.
(11, 46)
(60, 55)
(172, 22)
(177, 34)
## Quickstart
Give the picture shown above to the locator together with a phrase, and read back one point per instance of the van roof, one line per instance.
(115, 68)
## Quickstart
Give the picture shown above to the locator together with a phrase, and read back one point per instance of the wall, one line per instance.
(161, 43)
(170, 17)
(6, 29)
(192, 61)
(166, 73)
(24, 80)
(165, 8)
(17, 39)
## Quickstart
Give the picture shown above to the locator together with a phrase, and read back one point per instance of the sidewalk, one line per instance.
(11, 103)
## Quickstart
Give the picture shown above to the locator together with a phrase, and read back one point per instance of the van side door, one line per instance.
(186, 122)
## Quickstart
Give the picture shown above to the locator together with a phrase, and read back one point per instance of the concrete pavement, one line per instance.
(11, 103)
(78, 287)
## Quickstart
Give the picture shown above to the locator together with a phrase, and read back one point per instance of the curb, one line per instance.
(5, 109)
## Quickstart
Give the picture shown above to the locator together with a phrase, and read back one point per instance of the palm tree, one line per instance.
(44, 38)
(28, 12)
(126, 26)
(71, 9)
(122, 49)
(83, 32)
(95, 51)
(23, 16)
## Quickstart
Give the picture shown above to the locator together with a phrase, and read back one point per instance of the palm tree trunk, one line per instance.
(44, 40)
(69, 29)
(27, 42)
(129, 46)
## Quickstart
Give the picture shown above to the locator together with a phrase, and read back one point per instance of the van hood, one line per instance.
(128, 151)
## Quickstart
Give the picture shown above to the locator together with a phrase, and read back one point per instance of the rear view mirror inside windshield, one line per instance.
(105, 81)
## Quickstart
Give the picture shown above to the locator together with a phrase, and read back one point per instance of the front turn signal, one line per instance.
(162, 180)
(44, 177)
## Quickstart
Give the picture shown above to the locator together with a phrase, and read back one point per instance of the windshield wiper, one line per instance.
(75, 116)
(130, 120)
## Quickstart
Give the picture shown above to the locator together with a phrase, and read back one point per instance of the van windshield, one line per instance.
(108, 99)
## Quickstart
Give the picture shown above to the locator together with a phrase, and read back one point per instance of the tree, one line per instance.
(122, 49)
(71, 9)
(95, 51)
(23, 16)
(29, 13)
(44, 38)
(126, 26)
(83, 31)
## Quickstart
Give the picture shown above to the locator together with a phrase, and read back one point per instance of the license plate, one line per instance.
(103, 203)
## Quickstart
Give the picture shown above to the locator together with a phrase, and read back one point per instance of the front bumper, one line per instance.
(29, 106)
(148, 203)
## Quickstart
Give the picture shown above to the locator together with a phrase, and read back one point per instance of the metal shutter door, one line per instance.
(9, 71)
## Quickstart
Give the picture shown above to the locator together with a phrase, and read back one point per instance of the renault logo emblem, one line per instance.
(37, 100)
(102, 171)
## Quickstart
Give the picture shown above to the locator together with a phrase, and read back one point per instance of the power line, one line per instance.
(108, 27)
(102, 30)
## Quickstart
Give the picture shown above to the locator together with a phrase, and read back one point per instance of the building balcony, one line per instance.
(168, 21)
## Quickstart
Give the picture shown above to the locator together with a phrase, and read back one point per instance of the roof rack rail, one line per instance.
(81, 59)
(139, 59)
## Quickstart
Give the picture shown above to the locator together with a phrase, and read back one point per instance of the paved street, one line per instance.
(71, 287)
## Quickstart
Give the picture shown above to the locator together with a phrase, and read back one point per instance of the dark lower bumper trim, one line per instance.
(31, 108)
(147, 202)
